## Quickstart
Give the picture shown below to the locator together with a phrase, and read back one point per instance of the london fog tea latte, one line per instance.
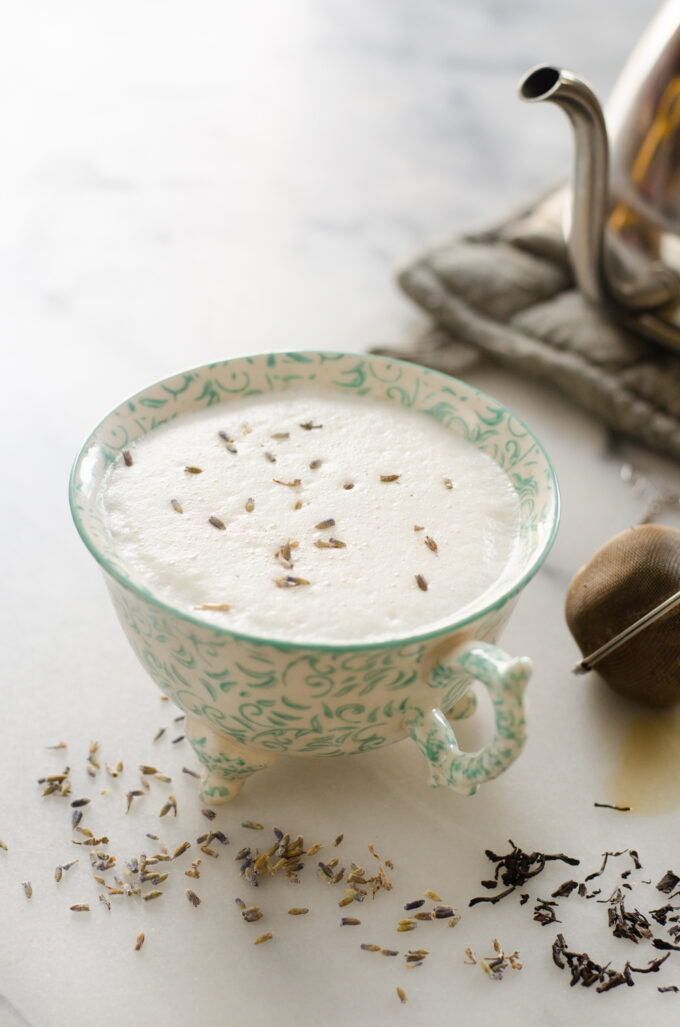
(308, 515)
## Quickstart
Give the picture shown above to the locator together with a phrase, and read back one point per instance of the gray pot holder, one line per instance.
(508, 293)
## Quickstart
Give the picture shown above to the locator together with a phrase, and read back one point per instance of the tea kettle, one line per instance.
(622, 224)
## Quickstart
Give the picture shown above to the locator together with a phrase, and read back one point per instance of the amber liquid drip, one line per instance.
(648, 775)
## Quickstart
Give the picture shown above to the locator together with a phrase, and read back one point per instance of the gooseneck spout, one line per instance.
(605, 270)
(585, 233)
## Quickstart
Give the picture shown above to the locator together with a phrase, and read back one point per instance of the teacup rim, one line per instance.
(219, 630)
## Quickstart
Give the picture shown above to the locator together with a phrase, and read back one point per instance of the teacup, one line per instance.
(250, 699)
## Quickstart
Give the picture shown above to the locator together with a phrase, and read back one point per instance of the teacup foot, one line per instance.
(227, 762)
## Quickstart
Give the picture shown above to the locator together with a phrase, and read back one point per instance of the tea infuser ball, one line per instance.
(629, 576)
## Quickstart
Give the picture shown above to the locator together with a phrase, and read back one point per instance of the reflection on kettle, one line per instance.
(622, 225)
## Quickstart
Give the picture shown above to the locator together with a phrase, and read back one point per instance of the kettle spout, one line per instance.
(585, 233)
(605, 270)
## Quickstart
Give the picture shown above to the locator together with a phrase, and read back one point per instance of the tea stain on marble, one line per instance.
(647, 777)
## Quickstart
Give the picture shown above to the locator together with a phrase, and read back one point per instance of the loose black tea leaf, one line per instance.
(668, 882)
(390, 477)
(517, 867)
(652, 967)
(127, 458)
(630, 925)
(622, 852)
(294, 484)
(194, 470)
(587, 972)
(661, 914)
(421, 582)
(544, 912)
(431, 544)
(308, 426)
(564, 890)
(216, 523)
(328, 523)
(609, 805)
(176, 506)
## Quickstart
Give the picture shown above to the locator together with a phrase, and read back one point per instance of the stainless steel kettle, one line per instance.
(622, 209)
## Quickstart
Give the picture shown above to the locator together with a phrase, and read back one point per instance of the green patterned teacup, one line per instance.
(249, 699)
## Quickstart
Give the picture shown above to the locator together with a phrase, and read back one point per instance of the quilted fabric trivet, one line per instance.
(508, 293)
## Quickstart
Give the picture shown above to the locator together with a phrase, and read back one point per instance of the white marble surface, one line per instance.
(188, 181)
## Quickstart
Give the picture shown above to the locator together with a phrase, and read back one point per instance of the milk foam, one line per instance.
(366, 591)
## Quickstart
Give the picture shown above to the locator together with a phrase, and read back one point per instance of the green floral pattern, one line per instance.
(248, 699)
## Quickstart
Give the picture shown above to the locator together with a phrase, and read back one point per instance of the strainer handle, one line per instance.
(505, 677)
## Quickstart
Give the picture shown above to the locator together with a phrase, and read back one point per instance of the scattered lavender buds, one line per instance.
(294, 484)
(288, 581)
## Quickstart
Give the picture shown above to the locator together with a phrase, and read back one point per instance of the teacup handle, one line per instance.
(506, 678)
